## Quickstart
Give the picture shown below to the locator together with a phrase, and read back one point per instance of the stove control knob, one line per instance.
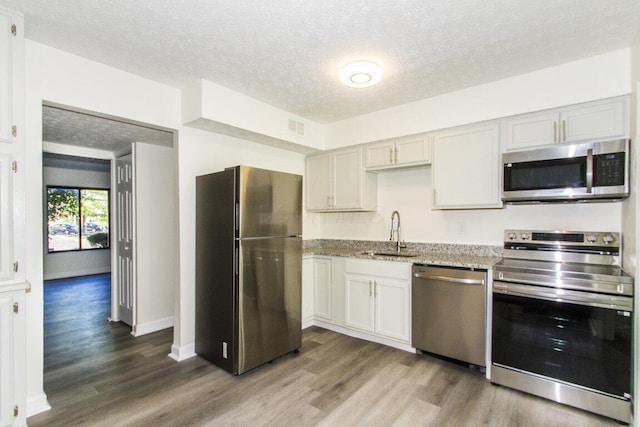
(512, 236)
(524, 236)
(608, 238)
(592, 238)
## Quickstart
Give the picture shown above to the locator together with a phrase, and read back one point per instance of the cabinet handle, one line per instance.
(555, 131)
(390, 155)
(564, 130)
(395, 150)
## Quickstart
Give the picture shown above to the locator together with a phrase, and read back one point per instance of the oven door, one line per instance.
(575, 337)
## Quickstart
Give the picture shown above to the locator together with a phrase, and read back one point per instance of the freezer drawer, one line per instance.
(448, 312)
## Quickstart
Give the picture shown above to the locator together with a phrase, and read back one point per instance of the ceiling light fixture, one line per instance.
(360, 74)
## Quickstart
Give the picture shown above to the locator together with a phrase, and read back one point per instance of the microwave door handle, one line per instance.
(589, 170)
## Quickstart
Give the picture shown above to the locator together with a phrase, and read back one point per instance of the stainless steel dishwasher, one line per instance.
(448, 312)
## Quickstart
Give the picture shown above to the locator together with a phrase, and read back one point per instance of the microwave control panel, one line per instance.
(608, 169)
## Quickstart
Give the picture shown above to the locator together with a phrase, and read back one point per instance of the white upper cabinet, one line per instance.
(466, 168)
(402, 153)
(318, 181)
(337, 181)
(608, 119)
(6, 216)
(8, 32)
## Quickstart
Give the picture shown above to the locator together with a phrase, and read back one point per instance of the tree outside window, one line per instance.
(78, 218)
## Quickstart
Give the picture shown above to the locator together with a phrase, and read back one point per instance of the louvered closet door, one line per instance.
(125, 275)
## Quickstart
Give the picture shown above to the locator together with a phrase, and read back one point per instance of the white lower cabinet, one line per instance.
(12, 357)
(317, 292)
(322, 301)
(377, 297)
(307, 289)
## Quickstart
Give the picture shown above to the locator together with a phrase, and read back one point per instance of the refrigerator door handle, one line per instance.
(236, 260)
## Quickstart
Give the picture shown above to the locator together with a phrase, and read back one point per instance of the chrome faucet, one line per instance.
(399, 244)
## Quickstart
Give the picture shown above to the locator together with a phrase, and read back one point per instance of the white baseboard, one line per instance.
(182, 353)
(153, 326)
(37, 404)
(76, 273)
(365, 336)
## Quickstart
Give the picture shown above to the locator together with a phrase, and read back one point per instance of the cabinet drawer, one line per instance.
(397, 270)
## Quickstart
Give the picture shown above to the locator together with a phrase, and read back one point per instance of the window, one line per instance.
(77, 218)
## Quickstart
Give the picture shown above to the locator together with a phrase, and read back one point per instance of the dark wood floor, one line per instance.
(97, 374)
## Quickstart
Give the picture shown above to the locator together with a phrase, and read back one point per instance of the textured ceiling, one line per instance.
(85, 130)
(288, 52)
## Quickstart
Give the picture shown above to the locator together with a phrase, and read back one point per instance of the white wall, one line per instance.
(410, 193)
(593, 78)
(200, 153)
(56, 76)
(155, 239)
(77, 263)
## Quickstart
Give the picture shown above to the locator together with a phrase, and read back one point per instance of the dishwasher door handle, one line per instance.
(449, 279)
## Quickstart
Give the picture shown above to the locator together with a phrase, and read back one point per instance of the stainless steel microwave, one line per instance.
(593, 171)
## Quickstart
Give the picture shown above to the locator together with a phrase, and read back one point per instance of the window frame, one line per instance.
(79, 225)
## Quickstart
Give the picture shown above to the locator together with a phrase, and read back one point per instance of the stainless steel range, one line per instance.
(562, 319)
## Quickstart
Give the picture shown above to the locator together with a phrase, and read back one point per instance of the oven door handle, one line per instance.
(565, 296)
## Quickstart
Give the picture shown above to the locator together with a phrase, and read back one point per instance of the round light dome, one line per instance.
(360, 74)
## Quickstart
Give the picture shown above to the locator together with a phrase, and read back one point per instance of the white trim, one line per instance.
(153, 326)
(77, 273)
(308, 323)
(37, 404)
(74, 150)
(364, 336)
(182, 353)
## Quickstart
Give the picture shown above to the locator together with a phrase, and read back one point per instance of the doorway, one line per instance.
(93, 139)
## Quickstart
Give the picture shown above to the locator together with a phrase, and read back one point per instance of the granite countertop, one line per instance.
(470, 256)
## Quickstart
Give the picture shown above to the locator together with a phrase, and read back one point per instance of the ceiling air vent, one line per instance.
(296, 127)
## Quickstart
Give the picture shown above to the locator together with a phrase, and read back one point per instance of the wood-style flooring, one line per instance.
(97, 374)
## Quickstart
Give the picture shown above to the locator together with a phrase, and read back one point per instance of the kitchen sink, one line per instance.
(398, 254)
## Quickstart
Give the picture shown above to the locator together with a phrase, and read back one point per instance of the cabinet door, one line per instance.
(5, 77)
(12, 357)
(412, 151)
(466, 168)
(347, 176)
(359, 307)
(318, 182)
(6, 215)
(392, 308)
(307, 289)
(605, 120)
(532, 130)
(379, 155)
(322, 288)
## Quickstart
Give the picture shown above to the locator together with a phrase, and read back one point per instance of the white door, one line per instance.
(125, 274)
(318, 182)
(322, 288)
(392, 308)
(6, 359)
(347, 176)
(359, 302)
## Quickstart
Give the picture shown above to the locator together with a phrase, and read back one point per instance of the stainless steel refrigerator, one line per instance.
(248, 266)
